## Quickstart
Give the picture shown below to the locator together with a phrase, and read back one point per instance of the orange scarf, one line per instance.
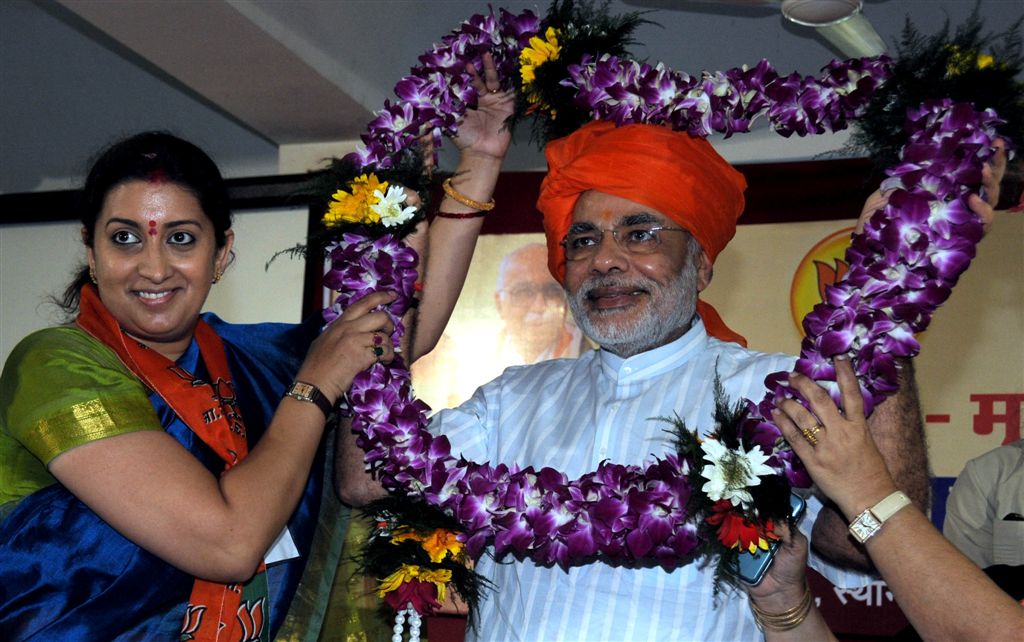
(215, 611)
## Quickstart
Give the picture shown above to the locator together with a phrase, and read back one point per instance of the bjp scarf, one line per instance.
(216, 612)
(674, 173)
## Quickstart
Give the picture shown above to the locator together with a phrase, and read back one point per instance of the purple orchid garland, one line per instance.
(627, 91)
(901, 269)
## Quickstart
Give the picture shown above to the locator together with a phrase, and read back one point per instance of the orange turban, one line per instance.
(674, 173)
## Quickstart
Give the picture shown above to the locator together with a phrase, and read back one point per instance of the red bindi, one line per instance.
(152, 228)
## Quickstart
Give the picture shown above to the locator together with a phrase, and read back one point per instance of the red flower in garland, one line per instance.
(422, 596)
(735, 530)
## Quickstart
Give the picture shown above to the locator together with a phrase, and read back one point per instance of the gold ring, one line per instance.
(811, 434)
(493, 91)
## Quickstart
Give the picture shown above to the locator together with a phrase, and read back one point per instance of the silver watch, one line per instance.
(870, 521)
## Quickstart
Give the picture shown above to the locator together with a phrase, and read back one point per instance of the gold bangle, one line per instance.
(786, 620)
(465, 200)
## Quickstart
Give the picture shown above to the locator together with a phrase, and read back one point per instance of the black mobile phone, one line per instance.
(753, 566)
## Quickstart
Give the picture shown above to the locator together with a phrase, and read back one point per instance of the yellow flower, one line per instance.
(404, 534)
(539, 52)
(407, 573)
(354, 206)
(440, 543)
(961, 62)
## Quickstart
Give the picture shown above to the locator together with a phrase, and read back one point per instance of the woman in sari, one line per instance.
(164, 470)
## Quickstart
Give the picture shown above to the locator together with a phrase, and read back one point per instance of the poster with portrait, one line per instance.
(511, 312)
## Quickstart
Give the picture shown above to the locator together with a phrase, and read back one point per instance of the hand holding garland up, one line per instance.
(991, 180)
(483, 141)
(445, 252)
(957, 602)
(896, 425)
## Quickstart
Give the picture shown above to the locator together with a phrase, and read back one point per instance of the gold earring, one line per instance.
(217, 275)
(92, 276)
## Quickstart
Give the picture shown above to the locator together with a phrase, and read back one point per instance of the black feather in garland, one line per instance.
(967, 66)
(584, 28)
(380, 557)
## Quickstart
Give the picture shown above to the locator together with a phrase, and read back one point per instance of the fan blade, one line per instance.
(838, 21)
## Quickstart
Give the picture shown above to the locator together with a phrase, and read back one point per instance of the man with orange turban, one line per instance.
(635, 217)
(674, 174)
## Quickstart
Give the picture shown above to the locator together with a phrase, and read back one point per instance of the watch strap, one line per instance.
(888, 507)
(869, 522)
(304, 391)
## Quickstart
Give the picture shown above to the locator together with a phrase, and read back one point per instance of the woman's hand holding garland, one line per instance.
(483, 140)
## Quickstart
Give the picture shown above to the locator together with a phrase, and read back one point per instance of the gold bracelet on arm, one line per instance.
(786, 620)
(456, 195)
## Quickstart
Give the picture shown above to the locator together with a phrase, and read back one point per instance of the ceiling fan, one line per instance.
(840, 22)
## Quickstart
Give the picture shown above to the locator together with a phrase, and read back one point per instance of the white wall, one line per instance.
(35, 261)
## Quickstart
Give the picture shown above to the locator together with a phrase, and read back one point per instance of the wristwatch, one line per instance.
(870, 521)
(308, 392)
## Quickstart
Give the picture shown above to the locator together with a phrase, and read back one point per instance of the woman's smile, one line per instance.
(155, 257)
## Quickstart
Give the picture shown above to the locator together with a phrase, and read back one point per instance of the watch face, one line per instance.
(303, 390)
(865, 526)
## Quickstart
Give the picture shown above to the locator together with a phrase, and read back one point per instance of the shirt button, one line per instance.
(627, 370)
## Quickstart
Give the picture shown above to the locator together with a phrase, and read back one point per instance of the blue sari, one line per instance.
(65, 574)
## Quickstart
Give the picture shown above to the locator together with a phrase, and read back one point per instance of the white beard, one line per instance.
(671, 311)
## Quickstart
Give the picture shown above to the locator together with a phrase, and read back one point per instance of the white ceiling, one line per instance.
(242, 77)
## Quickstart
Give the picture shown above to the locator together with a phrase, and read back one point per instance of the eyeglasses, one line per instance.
(641, 238)
(525, 293)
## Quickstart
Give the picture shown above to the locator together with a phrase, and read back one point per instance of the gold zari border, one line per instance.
(88, 421)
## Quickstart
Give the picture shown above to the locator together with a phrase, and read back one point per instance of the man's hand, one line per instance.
(991, 178)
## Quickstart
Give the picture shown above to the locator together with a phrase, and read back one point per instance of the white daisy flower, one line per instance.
(731, 472)
(389, 207)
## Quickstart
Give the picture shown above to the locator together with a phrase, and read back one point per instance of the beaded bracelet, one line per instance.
(786, 620)
(450, 190)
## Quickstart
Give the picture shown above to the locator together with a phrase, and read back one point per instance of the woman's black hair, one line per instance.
(153, 156)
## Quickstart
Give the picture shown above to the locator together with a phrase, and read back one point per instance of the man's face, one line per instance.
(627, 302)
(530, 301)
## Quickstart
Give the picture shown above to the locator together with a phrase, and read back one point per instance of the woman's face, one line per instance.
(154, 256)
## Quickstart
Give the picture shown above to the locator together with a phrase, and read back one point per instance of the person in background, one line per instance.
(535, 326)
(985, 515)
(533, 309)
